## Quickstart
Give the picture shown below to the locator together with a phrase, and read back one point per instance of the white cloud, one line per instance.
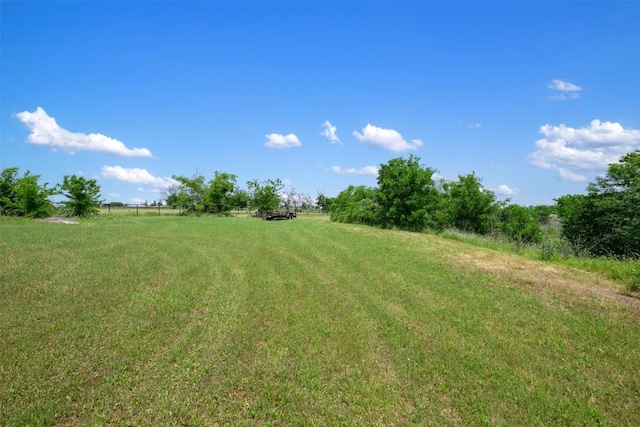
(505, 190)
(46, 131)
(386, 138)
(475, 125)
(564, 86)
(137, 201)
(367, 170)
(135, 176)
(568, 175)
(568, 90)
(329, 132)
(275, 140)
(588, 149)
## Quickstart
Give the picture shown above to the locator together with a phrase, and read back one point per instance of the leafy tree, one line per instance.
(575, 212)
(8, 178)
(324, 202)
(24, 196)
(189, 195)
(520, 224)
(83, 196)
(470, 204)
(239, 199)
(407, 196)
(218, 196)
(195, 196)
(170, 195)
(265, 195)
(606, 221)
(356, 204)
(543, 213)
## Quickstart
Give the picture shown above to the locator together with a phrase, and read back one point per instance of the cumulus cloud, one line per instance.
(137, 201)
(367, 170)
(386, 138)
(505, 190)
(568, 175)
(329, 132)
(592, 148)
(135, 176)
(45, 131)
(567, 90)
(275, 140)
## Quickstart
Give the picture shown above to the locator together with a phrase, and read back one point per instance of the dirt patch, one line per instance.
(552, 280)
(557, 282)
(59, 220)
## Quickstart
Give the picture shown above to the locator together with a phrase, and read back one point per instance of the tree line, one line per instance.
(605, 221)
(221, 194)
(26, 196)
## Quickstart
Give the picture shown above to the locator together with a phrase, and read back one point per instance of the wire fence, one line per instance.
(148, 210)
(137, 209)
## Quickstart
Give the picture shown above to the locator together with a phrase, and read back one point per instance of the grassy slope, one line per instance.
(187, 321)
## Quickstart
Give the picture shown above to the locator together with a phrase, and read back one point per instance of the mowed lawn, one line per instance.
(239, 321)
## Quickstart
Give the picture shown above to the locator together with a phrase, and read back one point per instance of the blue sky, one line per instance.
(536, 98)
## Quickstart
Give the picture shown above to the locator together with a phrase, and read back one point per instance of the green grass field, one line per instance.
(172, 320)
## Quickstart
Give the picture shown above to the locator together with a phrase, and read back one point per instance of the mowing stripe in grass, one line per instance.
(177, 320)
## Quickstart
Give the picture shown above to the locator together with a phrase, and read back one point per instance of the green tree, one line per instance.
(83, 196)
(25, 196)
(544, 213)
(606, 220)
(324, 202)
(189, 195)
(520, 224)
(265, 195)
(471, 206)
(356, 205)
(239, 199)
(218, 197)
(407, 196)
(170, 195)
(8, 178)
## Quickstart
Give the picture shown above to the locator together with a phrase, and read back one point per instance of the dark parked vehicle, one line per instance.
(278, 215)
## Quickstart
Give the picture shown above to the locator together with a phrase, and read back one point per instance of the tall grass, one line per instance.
(238, 321)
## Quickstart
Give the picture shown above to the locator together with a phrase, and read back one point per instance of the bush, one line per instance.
(83, 196)
(25, 196)
(520, 224)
